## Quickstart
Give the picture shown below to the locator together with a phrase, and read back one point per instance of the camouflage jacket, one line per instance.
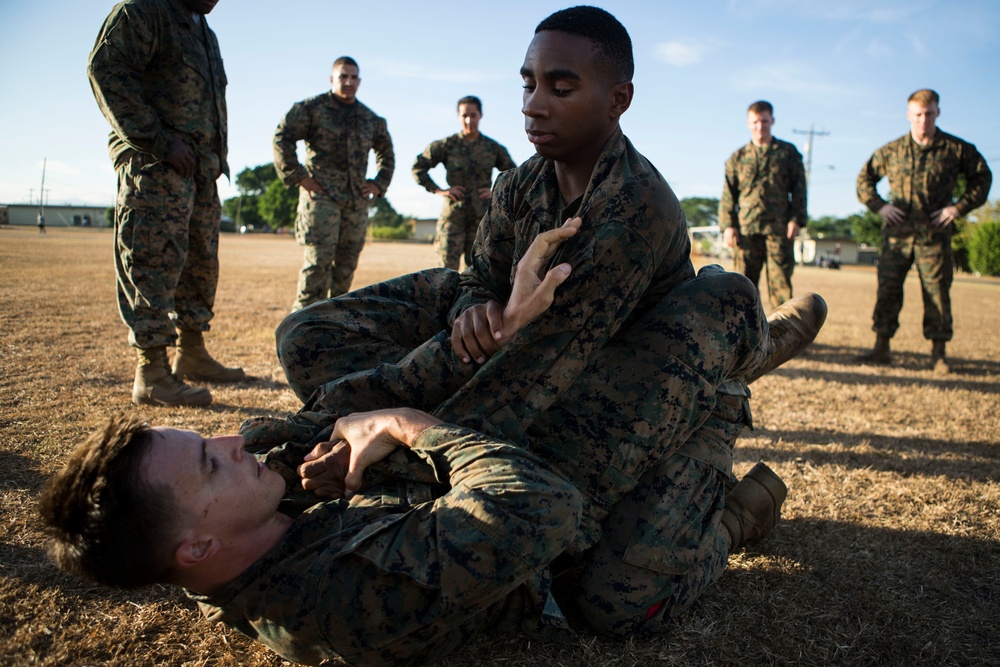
(338, 137)
(631, 250)
(156, 72)
(469, 164)
(922, 178)
(765, 189)
(453, 541)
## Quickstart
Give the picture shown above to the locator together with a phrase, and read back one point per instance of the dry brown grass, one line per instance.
(889, 552)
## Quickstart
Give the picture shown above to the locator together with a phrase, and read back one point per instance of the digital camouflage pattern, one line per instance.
(646, 426)
(389, 578)
(663, 390)
(773, 252)
(468, 164)
(765, 189)
(331, 248)
(922, 180)
(157, 74)
(338, 138)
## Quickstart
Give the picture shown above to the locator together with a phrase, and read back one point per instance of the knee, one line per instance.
(288, 337)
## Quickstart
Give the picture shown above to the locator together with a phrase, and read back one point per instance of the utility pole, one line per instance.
(809, 148)
(41, 191)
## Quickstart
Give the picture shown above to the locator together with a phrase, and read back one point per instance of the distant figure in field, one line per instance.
(41, 224)
(156, 72)
(923, 167)
(334, 195)
(469, 158)
(763, 205)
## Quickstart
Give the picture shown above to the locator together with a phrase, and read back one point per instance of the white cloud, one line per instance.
(918, 45)
(411, 70)
(879, 49)
(679, 54)
(790, 77)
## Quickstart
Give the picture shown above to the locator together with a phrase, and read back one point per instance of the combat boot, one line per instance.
(193, 362)
(880, 354)
(793, 325)
(939, 364)
(753, 506)
(156, 385)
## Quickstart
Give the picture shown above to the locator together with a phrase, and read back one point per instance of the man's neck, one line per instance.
(236, 557)
(573, 176)
(470, 136)
(760, 143)
(924, 139)
(344, 100)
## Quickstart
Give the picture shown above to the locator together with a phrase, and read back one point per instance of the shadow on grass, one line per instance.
(975, 460)
(18, 472)
(908, 361)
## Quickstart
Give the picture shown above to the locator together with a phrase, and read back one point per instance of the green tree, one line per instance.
(109, 216)
(701, 211)
(242, 210)
(829, 225)
(256, 180)
(984, 249)
(866, 227)
(382, 214)
(278, 204)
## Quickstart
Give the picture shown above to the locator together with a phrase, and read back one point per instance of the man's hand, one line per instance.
(892, 215)
(944, 217)
(793, 229)
(454, 193)
(309, 183)
(335, 468)
(484, 193)
(370, 190)
(731, 236)
(181, 157)
(480, 331)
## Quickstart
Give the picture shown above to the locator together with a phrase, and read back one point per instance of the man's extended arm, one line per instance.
(432, 156)
(729, 223)
(978, 179)
(385, 159)
(798, 192)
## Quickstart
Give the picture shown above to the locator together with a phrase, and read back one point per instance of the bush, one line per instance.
(984, 249)
(960, 244)
(391, 233)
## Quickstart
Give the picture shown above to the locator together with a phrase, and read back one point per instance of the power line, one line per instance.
(809, 147)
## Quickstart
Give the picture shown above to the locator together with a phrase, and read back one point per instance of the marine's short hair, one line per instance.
(614, 46)
(924, 96)
(105, 522)
(346, 60)
(760, 106)
(471, 99)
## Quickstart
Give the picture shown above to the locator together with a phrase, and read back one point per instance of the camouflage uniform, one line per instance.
(157, 74)
(630, 386)
(468, 164)
(921, 181)
(644, 433)
(765, 190)
(331, 224)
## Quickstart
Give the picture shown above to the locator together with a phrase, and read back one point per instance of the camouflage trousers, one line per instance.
(333, 234)
(166, 249)
(776, 252)
(456, 230)
(645, 432)
(932, 253)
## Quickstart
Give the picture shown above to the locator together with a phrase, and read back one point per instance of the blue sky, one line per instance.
(843, 67)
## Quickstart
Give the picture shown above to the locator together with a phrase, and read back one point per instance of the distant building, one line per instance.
(843, 249)
(55, 215)
(423, 229)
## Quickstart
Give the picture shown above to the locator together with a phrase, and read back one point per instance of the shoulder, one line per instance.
(957, 142)
(786, 146)
(737, 155)
(314, 101)
(364, 110)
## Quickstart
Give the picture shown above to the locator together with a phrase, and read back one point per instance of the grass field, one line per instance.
(888, 552)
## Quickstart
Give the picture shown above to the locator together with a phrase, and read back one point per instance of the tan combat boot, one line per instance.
(880, 354)
(753, 506)
(794, 325)
(939, 364)
(193, 362)
(156, 385)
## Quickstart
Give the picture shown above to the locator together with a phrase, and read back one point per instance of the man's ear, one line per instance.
(621, 98)
(196, 550)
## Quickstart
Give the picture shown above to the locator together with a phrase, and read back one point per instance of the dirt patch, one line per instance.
(889, 551)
